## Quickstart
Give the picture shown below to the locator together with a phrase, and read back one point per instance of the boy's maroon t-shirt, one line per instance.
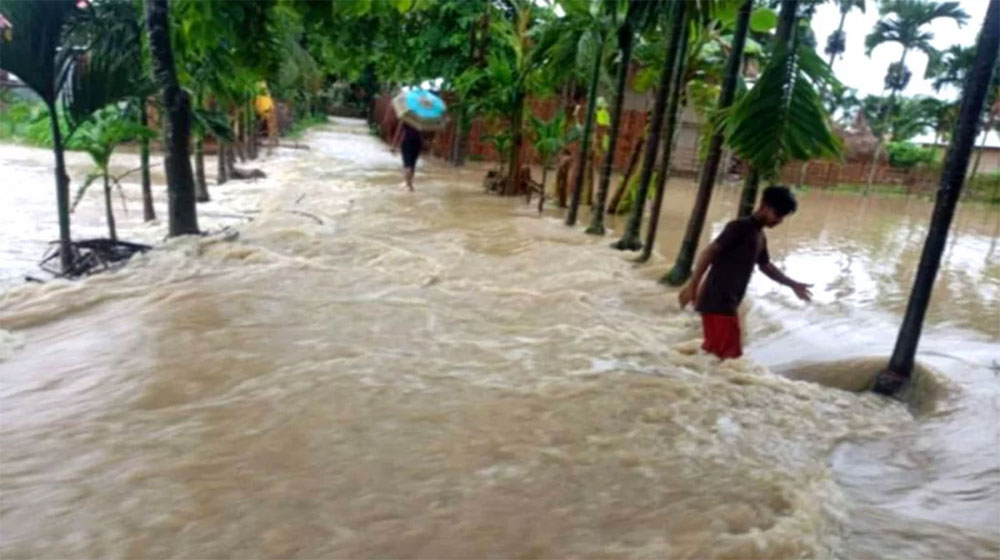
(741, 246)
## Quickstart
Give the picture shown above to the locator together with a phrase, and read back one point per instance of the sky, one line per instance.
(865, 74)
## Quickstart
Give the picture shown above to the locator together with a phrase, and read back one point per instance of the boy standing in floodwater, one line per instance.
(730, 261)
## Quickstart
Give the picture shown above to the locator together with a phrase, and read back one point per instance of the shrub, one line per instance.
(905, 155)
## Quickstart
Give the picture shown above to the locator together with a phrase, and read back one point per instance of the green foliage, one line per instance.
(984, 187)
(298, 128)
(905, 155)
(205, 122)
(778, 121)
(763, 20)
(501, 143)
(904, 22)
(104, 131)
(552, 136)
(26, 122)
(99, 135)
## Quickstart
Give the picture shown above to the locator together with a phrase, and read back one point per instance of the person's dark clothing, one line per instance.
(741, 246)
(410, 145)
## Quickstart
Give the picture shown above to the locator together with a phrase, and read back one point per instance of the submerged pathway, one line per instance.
(366, 372)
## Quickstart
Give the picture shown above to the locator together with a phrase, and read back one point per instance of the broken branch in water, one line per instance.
(308, 215)
(90, 256)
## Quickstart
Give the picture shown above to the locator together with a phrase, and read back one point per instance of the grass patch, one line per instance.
(893, 190)
(26, 122)
(300, 126)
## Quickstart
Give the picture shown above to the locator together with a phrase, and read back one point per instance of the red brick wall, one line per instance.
(822, 173)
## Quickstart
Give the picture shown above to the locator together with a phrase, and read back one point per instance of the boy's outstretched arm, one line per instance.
(774, 273)
(690, 290)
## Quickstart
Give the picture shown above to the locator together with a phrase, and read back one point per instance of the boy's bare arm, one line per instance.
(774, 273)
(690, 290)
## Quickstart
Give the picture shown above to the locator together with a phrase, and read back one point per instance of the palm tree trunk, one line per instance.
(545, 176)
(517, 140)
(626, 36)
(201, 186)
(148, 210)
(748, 196)
(840, 30)
(633, 161)
(176, 125)
(108, 211)
(462, 149)
(977, 82)
(689, 246)
(804, 167)
(586, 157)
(252, 130)
(630, 237)
(880, 138)
(221, 169)
(241, 138)
(680, 72)
(62, 193)
(230, 159)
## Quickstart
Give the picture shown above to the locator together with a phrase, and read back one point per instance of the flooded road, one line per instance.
(365, 372)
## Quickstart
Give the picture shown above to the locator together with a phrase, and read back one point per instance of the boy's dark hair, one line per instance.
(780, 199)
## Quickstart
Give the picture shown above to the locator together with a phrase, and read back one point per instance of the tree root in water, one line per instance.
(90, 256)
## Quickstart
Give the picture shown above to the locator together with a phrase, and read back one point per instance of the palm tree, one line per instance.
(682, 268)
(582, 36)
(176, 122)
(900, 366)
(638, 13)
(629, 240)
(148, 210)
(837, 41)
(588, 131)
(904, 22)
(677, 85)
(949, 68)
(836, 44)
(32, 51)
(114, 31)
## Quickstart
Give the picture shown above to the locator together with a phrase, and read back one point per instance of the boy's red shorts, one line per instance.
(722, 335)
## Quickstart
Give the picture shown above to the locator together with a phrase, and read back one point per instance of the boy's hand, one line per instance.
(686, 295)
(802, 291)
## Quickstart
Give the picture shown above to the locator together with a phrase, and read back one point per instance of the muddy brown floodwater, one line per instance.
(365, 372)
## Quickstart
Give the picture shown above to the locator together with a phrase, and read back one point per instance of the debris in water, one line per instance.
(90, 256)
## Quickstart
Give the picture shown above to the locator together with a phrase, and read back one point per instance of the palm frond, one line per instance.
(89, 180)
(94, 83)
(206, 122)
(780, 119)
(30, 48)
